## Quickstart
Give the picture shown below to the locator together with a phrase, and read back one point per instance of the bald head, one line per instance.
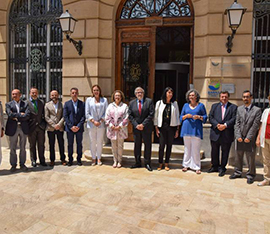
(54, 96)
(16, 95)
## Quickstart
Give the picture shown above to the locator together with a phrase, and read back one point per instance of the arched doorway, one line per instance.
(154, 47)
(35, 49)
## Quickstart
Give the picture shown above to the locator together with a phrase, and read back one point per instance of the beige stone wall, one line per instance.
(212, 63)
(95, 28)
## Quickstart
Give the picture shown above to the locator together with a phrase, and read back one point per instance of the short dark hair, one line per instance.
(32, 88)
(247, 91)
(196, 94)
(164, 95)
(121, 93)
(100, 94)
(74, 88)
(224, 92)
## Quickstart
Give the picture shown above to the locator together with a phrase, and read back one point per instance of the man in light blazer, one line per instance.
(17, 127)
(55, 126)
(222, 118)
(37, 125)
(141, 113)
(245, 130)
(74, 115)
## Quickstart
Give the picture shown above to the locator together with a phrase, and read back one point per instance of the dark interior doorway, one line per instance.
(172, 64)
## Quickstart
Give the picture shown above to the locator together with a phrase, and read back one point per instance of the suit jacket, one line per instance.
(52, 118)
(36, 119)
(215, 118)
(91, 112)
(146, 117)
(72, 118)
(14, 118)
(247, 127)
(1, 117)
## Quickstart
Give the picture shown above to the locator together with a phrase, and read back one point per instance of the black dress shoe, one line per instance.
(24, 168)
(70, 164)
(136, 166)
(34, 164)
(148, 167)
(234, 176)
(221, 173)
(79, 163)
(212, 169)
(44, 164)
(250, 180)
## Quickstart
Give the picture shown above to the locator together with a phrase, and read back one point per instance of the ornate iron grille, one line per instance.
(138, 9)
(261, 51)
(135, 70)
(36, 46)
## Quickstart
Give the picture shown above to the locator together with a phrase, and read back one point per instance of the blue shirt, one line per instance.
(75, 105)
(138, 103)
(32, 101)
(190, 126)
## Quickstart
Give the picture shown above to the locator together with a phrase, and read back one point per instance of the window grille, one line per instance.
(35, 46)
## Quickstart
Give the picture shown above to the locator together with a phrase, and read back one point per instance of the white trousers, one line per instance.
(192, 157)
(96, 141)
(117, 149)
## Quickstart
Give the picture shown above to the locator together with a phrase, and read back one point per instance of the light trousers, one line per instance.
(117, 149)
(13, 146)
(0, 150)
(266, 159)
(192, 157)
(96, 141)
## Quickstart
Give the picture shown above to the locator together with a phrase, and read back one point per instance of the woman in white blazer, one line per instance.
(263, 140)
(166, 123)
(95, 109)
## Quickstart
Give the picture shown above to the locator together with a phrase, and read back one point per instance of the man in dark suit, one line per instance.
(37, 125)
(141, 113)
(17, 127)
(222, 118)
(245, 130)
(74, 115)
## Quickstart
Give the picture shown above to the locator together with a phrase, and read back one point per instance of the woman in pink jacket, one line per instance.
(116, 119)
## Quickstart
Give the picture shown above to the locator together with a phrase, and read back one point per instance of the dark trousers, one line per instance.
(37, 137)
(225, 150)
(251, 173)
(146, 137)
(166, 139)
(60, 140)
(79, 138)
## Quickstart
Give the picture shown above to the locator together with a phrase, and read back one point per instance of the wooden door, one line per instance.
(135, 63)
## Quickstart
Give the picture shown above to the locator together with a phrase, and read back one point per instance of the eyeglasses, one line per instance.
(139, 92)
(246, 97)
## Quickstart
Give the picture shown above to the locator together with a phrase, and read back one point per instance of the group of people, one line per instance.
(244, 124)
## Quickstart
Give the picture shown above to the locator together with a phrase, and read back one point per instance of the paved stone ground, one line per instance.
(101, 199)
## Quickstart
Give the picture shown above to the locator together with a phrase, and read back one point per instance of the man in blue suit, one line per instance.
(222, 118)
(17, 127)
(74, 115)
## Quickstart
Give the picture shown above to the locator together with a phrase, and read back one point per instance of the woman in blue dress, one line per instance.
(192, 117)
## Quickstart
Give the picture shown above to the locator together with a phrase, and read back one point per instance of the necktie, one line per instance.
(35, 105)
(223, 111)
(140, 107)
(246, 113)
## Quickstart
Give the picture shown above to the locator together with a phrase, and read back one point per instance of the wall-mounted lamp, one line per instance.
(234, 15)
(68, 25)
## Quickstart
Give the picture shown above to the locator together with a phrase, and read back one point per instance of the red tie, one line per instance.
(140, 107)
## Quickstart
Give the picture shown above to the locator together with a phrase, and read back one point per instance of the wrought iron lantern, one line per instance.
(68, 26)
(234, 15)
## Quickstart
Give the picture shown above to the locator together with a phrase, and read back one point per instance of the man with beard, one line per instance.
(245, 130)
(55, 126)
(37, 125)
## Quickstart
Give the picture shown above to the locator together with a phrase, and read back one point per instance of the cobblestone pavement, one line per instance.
(101, 199)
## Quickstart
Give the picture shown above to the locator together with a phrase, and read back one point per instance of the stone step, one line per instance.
(177, 151)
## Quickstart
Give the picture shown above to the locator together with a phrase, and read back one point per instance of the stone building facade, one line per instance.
(96, 28)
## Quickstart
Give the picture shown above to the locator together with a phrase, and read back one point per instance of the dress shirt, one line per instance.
(17, 104)
(75, 105)
(138, 103)
(55, 106)
(31, 100)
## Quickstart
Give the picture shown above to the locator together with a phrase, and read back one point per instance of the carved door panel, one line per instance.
(135, 63)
